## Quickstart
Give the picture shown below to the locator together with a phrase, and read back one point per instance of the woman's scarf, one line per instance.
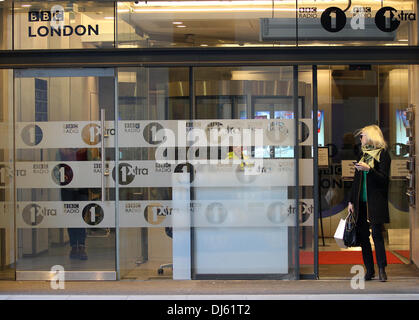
(369, 154)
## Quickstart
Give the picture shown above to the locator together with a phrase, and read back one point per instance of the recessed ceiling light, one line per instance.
(181, 26)
(204, 45)
(177, 22)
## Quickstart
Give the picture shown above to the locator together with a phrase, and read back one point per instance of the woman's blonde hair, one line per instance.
(374, 136)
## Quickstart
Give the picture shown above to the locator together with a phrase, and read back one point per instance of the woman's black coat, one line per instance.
(377, 190)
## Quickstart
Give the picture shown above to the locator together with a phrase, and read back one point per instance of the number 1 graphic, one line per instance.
(92, 214)
(62, 174)
(124, 174)
(32, 134)
(33, 215)
(387, 16)
(93, 132)
(333, 19)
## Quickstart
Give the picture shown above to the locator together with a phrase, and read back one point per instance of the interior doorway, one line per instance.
(349, 98)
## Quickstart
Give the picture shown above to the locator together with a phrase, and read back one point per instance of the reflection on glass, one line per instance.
(199, 23)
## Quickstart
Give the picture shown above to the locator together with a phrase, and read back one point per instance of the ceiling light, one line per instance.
(181, 26)
(177, 22)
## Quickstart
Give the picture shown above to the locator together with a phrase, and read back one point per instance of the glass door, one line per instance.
(65, 189)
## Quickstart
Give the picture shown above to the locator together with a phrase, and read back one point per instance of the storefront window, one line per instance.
(223, 24)
(266, 23)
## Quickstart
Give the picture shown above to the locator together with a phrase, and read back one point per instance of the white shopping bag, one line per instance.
(339, 233)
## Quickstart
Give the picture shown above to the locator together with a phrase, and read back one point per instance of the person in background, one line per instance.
(77, 235)
(369, 198)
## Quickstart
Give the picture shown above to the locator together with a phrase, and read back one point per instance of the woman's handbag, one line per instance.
(350, 237)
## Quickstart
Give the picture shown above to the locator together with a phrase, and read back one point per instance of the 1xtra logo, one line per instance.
(388, 19)
(155, 213)
(33, 214)
(128, 172)
(91, 134)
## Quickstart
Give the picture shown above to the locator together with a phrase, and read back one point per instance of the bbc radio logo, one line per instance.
(387, 19)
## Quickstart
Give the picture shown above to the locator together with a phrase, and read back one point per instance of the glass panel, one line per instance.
(149, 99)
(243, 198)
(234, 23)
(306, 194)
(350, 99)
(7, 228)
(63, 217)
(63, 25)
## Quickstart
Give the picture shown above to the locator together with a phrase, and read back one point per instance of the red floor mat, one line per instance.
(404, 253)
(343, 257)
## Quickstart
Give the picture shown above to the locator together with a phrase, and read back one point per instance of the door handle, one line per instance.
(105, 171)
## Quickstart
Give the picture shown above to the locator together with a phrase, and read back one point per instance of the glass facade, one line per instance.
(193, 171)
(221, 24)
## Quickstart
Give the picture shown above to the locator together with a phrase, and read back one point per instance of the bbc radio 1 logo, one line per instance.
(387, 19)
(32, 135)
(62, 174)
(93, 214)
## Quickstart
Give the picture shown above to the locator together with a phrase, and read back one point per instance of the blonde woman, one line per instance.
(369, 198)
